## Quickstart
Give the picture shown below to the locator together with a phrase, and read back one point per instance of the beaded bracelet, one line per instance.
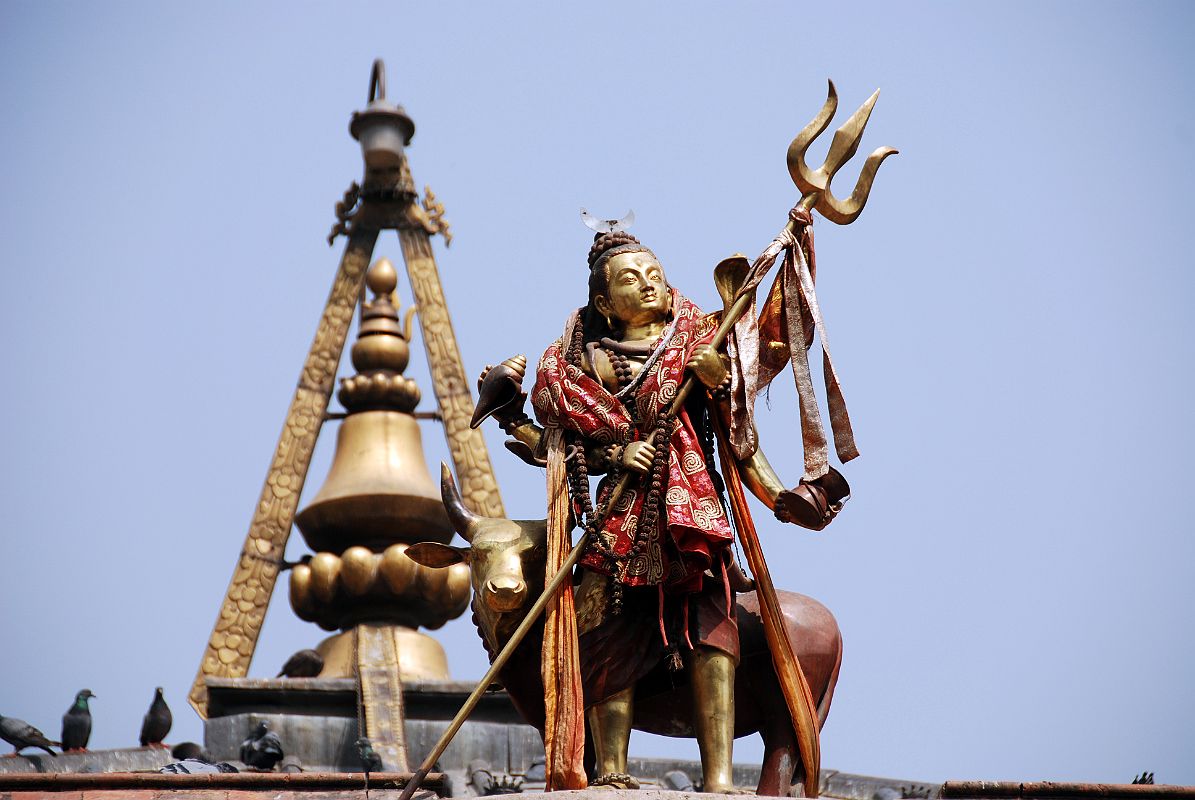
(722, 390)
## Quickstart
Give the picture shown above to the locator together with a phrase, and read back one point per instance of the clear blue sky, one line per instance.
(1011, 317)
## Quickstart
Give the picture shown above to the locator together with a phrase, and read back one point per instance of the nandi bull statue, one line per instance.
(506, 559)
(650, 623)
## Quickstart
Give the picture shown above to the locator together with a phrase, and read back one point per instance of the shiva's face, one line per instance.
(636, 290)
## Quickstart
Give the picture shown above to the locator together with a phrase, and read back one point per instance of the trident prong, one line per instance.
(842, 147)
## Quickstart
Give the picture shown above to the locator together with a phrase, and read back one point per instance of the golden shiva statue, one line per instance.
(658, 582)
(658, 628)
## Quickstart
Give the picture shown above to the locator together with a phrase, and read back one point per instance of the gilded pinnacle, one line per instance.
(382, 350)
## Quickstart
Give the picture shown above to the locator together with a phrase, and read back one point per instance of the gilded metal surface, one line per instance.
(842, 147)
(610, 726)
(435, 216)
(713, 704)
(381, 693)
(378, 496)
(470, 457)
(371, 575)
(378, 490)
(336, 591)
(234, 636)
(346, 207)
(762, 481)
(420, 657)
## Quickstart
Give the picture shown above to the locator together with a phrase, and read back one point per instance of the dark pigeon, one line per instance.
(370, 760)
(677, 781)
(157, 721)
(488, 783)
(196, 766)
(76, 724)
(263, 749)
(20, 734)
(184, 750)
(538, 771)
(303, 664)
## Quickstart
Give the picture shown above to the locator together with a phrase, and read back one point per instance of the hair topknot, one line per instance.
(605, 242)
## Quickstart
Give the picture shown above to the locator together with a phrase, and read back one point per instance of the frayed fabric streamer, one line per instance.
(564, 702)
(759, 346)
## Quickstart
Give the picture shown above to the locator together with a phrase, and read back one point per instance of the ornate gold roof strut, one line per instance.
(386, 200)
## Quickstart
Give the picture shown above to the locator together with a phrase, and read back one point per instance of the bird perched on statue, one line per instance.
(157, 721)
(20, 734)
(263, 749)
(303, 664)
(76, 723)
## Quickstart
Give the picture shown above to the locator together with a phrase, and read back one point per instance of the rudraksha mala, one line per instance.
(621, 366)
(577, 468)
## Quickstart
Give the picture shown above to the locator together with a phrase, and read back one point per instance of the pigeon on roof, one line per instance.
(184, 750)
(157, 721)
(76, 723)
(370, 760)
(263, 749)
(196, 766)
(20, 734)
(303, 664)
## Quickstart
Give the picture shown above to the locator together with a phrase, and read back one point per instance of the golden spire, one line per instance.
(378, 497)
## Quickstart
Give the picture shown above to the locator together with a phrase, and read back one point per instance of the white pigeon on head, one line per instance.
(607, 225)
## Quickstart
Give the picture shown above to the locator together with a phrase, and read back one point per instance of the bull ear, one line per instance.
(435, 555)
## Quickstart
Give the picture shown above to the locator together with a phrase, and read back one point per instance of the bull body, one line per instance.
(507, 562)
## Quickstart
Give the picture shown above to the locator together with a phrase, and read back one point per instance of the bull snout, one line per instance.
(505, 593)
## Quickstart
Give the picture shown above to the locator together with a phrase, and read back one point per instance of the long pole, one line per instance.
(732, 315)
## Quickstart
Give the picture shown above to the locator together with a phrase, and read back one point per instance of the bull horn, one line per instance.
(461, 517)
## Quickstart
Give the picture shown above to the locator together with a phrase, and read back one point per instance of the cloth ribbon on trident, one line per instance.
(759, 346)
(782, 333)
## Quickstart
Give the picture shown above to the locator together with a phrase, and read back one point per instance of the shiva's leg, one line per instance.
(711, 674)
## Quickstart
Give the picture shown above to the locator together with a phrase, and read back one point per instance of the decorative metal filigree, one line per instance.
(429, 217)
(346, 209)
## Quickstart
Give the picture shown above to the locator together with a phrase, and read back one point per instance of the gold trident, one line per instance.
(733, 283)
(815, 184)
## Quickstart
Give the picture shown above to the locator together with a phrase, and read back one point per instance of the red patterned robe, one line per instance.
(693, 536)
